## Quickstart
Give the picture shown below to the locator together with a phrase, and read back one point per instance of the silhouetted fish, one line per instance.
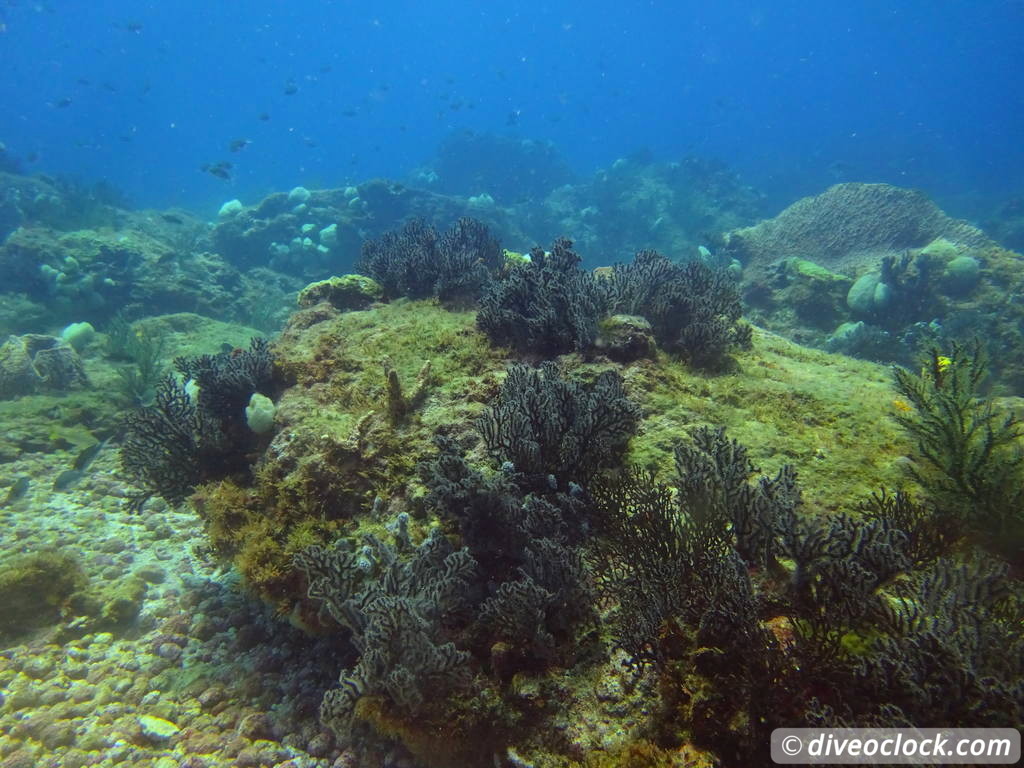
(237, 145)
(18, 489)
(221, 170)
(171, 218)
(86, 457)
(67, 479)
(264, 116)
(290, 88)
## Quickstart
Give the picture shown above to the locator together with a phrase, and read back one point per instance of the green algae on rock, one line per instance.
(345, 293)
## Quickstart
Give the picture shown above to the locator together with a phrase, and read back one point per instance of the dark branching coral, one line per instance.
(534, 587)
(555, 430)
(187, 437)
(694, 309)
(651, 558)
(910, 280)
(162, 445)
(881, 630)
(396, 611)
(931, 532)
(546, 306)
(418, 262)
(227, 380)
(970, 457)
(713, 472)
(950, 653)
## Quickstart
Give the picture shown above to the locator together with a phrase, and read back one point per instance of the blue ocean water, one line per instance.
(794, 95)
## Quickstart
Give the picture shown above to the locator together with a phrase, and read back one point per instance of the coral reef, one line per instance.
(545, 306)
(418, 262)
(639, 203)
(969, 455)
(36, 363)
(849, 225)
(321, 234)
(509, 170)
(694, 310)
(197, 430)
(883, 283)
(743, 574)
(557, 431)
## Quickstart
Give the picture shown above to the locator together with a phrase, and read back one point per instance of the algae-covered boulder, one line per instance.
(36, 363)
(368, 391)
(869, 295)
(345, 293)
(962, 274)
(814, 292)
(626, 338)
(35, 590)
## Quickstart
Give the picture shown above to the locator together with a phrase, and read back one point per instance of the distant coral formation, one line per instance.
(849, 223)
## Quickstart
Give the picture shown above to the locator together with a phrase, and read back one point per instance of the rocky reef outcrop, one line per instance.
(35, 363)
(849, 226)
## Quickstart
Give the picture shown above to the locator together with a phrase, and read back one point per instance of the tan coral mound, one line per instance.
(850, 225)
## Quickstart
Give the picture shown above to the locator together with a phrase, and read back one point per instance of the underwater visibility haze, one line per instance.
(457, 385)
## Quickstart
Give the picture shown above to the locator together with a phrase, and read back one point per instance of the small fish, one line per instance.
(88, 455)
(227, 349)
(170, 218)
(83, 81)
(290, 88)
(264, 116)
(237, 145)
(61, 103)
(66, 479)
(18, 489)
(221, 170)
